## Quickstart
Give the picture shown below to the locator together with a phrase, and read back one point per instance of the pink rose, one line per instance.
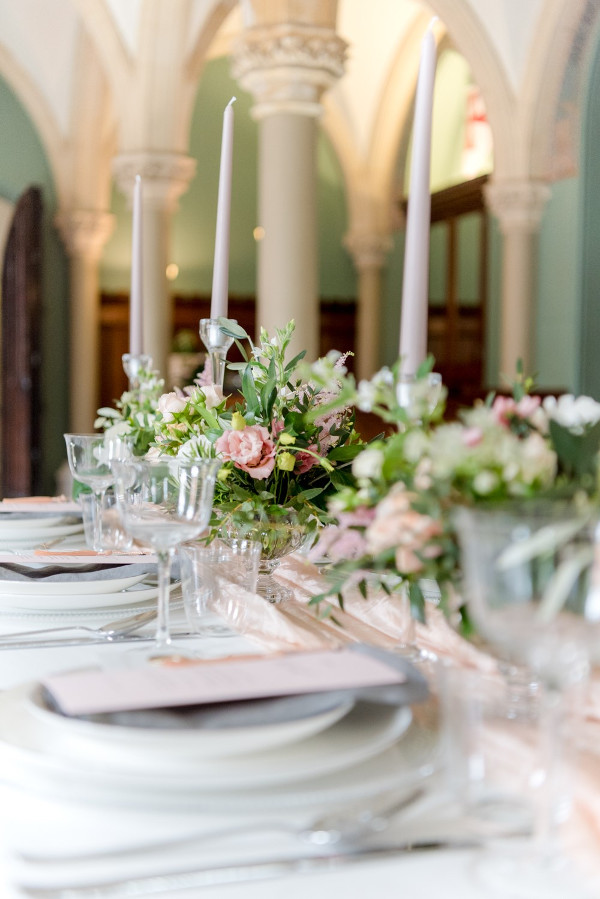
(472, 436)
(504, 408)
(304, 461)
(250, 449)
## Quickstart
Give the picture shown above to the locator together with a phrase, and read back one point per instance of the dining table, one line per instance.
(364, 795)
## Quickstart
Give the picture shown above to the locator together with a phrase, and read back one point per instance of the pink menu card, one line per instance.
(224, 680)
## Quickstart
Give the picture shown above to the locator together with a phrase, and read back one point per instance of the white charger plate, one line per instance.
(75, 602)
(44, 757)
(192, 743)
(75, 587)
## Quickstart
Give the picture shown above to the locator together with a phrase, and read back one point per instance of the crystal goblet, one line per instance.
(91, 458)
(163, 503)
(279, 533)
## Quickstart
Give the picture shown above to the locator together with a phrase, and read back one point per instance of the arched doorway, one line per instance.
(20, 349)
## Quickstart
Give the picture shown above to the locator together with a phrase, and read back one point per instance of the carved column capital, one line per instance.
(84, 231)
(517, 204)
(368, 249)
(166, 176)
(288, 67)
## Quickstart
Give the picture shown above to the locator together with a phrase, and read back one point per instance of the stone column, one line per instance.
(84, 232)
(165, 177)
(369, 253)
(287, 67)
(518, 206)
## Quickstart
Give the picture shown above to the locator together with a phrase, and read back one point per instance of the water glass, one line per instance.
(204, 567)
(491, 764)
(107, 534)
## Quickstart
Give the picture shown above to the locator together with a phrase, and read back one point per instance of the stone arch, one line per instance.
(39, 112)
(551, 100)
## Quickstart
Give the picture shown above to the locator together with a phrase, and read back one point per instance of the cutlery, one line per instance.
(246, 872)
(85, 641)
(346, 825)
(119, 628)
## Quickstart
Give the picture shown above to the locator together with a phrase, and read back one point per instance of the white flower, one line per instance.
(368, 464)
(383, 377)
(116, 430)
(574, 413)
(485, 482)
(213, 395)
(170, 403)
(198, 447)
(366, 395)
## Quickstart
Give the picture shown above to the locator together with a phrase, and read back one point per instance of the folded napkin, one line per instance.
(66, 573)
(387, 617)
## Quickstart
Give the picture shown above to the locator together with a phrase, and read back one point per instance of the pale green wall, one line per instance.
(193, 233)
(589, 365)
(23, 164)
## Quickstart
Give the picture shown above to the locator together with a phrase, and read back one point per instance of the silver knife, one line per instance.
(247, 872)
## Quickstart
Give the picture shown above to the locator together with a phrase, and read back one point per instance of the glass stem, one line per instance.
(552, 797)
(163, 634)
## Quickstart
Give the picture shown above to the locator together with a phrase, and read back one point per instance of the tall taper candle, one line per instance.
(220, 284)
(415, 287)
(136, 324)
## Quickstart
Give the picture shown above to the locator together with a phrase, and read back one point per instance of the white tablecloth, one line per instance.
(30, 821)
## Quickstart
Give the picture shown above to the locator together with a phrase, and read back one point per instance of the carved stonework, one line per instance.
(518, 205)
(287, 68)
(165, 176)
(84, 231)
(368, 250)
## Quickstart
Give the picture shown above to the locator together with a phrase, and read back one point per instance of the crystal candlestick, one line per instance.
(217, 344)
(134, 364)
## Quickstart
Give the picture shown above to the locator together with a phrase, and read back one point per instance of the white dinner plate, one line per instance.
(15, 522)
(76, 587)
(49, 758)
(26, 538)
(75, 602)
(192, 743)
(24, 763)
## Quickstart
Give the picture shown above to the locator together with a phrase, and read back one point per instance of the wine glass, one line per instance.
(91, 457)
(532, 590)
(164, 502)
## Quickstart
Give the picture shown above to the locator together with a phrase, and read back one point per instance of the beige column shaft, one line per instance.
(369, 253)
(165, 176)
(287, 262)
(518, 205)
(84, 233)
(287, 67)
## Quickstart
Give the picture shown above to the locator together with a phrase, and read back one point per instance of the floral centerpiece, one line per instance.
(396, 521)
(276, 458)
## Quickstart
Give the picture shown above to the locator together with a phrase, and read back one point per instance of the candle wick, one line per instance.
(433, 21)
(233, 99)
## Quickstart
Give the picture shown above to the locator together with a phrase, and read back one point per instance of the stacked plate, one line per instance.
(75, 590)
(25, 531)
(333, 751)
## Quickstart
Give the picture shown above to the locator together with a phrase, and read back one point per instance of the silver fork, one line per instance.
(108, 632)
(346, 825)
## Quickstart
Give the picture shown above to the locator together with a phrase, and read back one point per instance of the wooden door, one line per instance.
(20, 349)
